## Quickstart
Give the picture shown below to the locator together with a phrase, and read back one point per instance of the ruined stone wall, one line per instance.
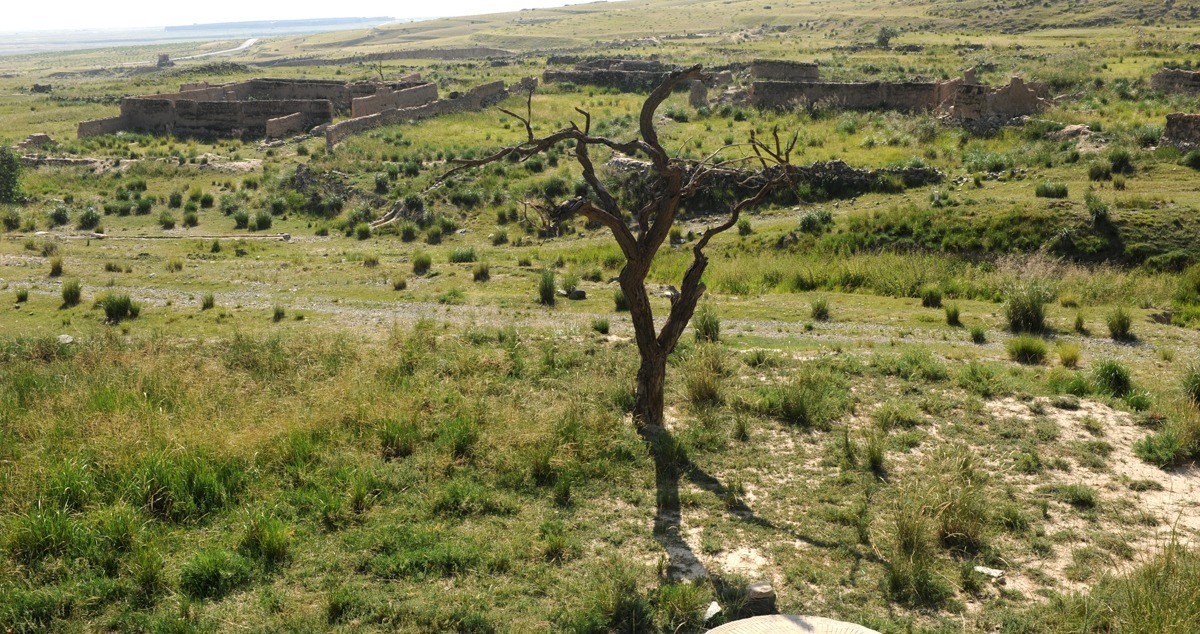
(623, 80)
(407, 98)
(782, 70)
(1175, 80)
(290, 125)
(635, 65)
(217, 118)
(477, 98)
(98, 127)
(1182, 131)
(909, 97)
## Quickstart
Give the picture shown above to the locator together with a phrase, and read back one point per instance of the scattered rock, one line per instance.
(760, 599)
(714, 609)
(577, 294)
(66, 340)
(996, 575)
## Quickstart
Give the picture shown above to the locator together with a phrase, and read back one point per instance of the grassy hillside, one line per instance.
(226, 401)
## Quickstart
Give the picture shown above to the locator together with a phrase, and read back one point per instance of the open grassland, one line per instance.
(269, 413)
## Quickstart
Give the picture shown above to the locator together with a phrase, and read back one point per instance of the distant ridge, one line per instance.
(277, 24)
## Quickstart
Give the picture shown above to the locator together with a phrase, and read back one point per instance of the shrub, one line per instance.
(1191, 159)
(408, 232)
(1026, 308)
(241, 219)
(89, 219)
(481, 272)
(174, 265)
(820, 308)
(1120, 161)
(546, 288)
(1068, 355)
(398, 439)
(600, 325)
(22, 295)
(1191, 384)
(744, 228)
(213, 574)
(930, 297)
(262, 221)
(59, 216)
(421, 262)
(462, 255)
(952, 316)
(1026, 349)
(1162, 449)
(208, 301)
(978, 335)
(1112, 378)
(166, 220)
(72, 292)
(433, 235)
(175, 200)
(206, 201)
(266, 540)
(56, 266)
(707, 324)
(813, 397)
(399, 282)
(362, 231)
(278, 313)
(191, 219)
(1050, 190)
(370, 260)
(1119, 323)
(119, 307)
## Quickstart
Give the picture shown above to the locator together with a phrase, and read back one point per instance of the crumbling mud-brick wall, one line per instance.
(625, 75)
(784, 70)
(387, 100)
(477, 98)
(185, 117)
(290, 125)
(1176, 81)
(99, 127)
(909, 97)
(636, 81)
(1182, 131)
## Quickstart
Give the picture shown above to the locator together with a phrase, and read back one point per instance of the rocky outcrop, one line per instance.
(1182, 131)
(1174, 80)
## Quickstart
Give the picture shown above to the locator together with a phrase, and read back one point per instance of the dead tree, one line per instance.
(762, 171)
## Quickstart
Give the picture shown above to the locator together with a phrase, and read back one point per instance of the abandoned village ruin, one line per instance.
(279, 108)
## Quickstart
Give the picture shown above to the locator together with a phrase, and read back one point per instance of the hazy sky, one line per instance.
(39, 15)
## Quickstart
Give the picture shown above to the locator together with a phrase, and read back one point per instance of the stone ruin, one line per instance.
(789, 84)
(35, 141)
(626, 75)
(1174, 80)
(414, 104)
(1182, 131)
(254, 108)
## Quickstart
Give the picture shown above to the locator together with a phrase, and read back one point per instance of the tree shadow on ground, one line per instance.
(671, 465)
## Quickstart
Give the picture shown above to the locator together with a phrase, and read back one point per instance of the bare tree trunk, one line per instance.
(651, 377)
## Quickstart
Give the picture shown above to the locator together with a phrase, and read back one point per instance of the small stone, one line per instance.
(577, 294)
(714, 609)
(66, 340)
(760, 599)
(991, 572)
